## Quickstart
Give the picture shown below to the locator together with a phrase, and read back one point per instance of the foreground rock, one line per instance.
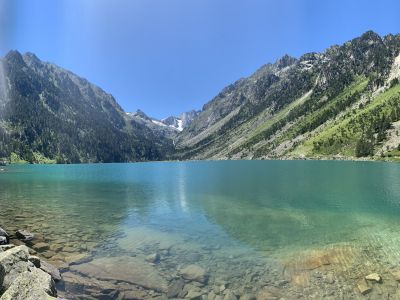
(13, 262)
(31, 285)
(20, 279)
(125, 269)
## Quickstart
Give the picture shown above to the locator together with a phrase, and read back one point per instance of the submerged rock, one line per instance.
(194, 273)
(125, 269)
(31, 285)
(175, 288)
(41, 246)
(374, 277)
(24, 235)
(229, 295)
(248, 297)
(194, 295)
(153, 258)
(363, 287)
(396, 275)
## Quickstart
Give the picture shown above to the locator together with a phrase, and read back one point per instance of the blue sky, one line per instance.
(169, 56)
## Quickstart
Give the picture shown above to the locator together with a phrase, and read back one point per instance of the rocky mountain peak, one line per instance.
(370, 36)
(141, 114)
(31, 58)
(285, 61)
(14, 57)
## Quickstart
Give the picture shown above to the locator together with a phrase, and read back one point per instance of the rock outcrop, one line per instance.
(20, 278)
(31, 285)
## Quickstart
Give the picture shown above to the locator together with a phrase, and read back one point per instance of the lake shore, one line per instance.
(164, 268)
(283, 158)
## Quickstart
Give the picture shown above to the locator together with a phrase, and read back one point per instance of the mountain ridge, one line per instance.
(305, 107)
(250, 118)
(52, 115)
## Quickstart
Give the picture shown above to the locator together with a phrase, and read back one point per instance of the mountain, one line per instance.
(166, 129)
(159, 129)
(343, 102)
(50, 114)
(181, 122)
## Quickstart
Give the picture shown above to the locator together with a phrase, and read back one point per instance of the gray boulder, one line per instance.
(6, 247)
(13, 262)
(31, 285)
(4, 237)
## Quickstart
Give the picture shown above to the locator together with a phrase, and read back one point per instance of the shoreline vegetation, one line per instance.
(393, 159)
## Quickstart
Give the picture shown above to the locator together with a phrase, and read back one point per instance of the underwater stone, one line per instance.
(153, 258)
(24, 235)
(374, 277)
(41, 246)
(175, 288)
(194, 273)
(363, 287)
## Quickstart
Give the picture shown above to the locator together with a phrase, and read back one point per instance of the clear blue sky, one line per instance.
(169, 56)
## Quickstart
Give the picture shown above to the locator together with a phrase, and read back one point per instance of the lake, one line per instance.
(271, 229)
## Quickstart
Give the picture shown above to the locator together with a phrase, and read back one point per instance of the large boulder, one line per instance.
(13, 262)
(6, 247)
(194, 273)
(31, 285)
(4, 237)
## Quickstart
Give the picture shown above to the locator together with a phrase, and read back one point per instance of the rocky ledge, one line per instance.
(22, 275)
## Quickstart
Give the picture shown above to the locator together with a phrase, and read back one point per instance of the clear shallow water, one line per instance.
(254, 225)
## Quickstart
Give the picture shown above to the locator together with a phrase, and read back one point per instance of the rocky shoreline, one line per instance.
(158, 267)
(22, 274)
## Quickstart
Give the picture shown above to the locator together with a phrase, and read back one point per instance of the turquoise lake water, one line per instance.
(275, 217)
